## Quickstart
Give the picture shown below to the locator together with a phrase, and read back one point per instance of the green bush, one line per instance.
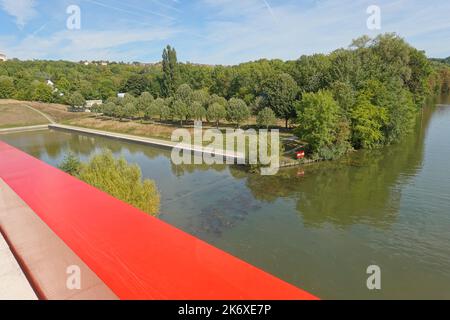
(117, 178)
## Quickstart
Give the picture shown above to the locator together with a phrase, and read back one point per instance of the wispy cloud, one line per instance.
(215, 31)
(138, 11)
(84, 44)
(22, 10)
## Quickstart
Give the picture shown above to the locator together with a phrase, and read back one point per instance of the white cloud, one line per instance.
(231, 31)
(22, 10)
(85, 44)
(246, 30)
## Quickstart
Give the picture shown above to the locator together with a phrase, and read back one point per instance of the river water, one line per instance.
(317, 227)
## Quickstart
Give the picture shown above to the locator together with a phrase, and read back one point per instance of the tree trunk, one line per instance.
(287, 119)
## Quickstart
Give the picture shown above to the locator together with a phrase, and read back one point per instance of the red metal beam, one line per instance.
(137, 256)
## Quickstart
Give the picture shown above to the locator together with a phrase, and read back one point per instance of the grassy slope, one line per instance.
(17, 115)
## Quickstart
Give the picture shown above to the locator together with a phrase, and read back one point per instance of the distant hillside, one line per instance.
(446, 60)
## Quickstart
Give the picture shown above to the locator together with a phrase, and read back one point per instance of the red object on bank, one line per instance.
(137, 256)
(300, 154)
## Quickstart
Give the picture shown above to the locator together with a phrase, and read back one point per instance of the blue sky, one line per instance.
(211, 31)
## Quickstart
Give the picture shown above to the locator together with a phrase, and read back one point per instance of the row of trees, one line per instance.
(186, 104)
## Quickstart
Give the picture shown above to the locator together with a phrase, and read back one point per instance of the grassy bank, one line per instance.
(18, 115)
(18, 112)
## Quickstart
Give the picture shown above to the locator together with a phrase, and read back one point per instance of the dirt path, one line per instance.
(41, 113)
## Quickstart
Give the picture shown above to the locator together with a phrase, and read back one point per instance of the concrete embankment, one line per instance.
(148, 141)
(27, 128)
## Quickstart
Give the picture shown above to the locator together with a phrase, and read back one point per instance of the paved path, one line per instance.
(13, 283)
(27, 128)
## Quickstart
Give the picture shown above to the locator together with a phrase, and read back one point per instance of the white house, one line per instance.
(50, 83)
(3, 57)
(121, 95)
(90, 103)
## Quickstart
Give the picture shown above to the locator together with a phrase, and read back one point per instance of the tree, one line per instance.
(120, 112)
(266, 117)
(165, 113)
(7, 89)
(216, 112)
(180, 110)
(42, 92)
(129, 110)
(129, 98)
(156, 108)
(109, 109)
(184, 94)
(144, 103)
(117, 178)
(318, 117)
(367, 123)
(71, 164)
(136, 84)
(170, 71)
(280, 93)
(76, 100)
(344, 95)
(201, 96)
(312, 73)
(197, 111)
(217, 99)
(237, 111)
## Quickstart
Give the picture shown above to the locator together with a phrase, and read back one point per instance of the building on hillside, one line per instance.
(90, 103)
(121, 95)
(3, 57)
(50, 83)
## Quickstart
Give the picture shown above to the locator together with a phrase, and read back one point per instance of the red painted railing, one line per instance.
(137, 256)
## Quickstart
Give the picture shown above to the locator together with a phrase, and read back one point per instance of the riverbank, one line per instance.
(158, 134)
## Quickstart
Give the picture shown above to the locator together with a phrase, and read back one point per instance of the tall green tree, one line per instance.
(367, 123)
(136, 84)
(76, 100)
(170, 68)
(318, 118)
(7, 88)
(280, 93)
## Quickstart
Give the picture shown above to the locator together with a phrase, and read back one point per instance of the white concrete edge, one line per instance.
(167, 144)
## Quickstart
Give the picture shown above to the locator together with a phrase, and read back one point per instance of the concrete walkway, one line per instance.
(27, 128)
(13, 283)
(150, 141)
